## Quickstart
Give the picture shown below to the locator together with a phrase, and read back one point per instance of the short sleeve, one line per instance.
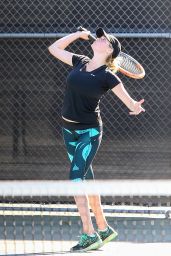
(112, 80)
(77, 58)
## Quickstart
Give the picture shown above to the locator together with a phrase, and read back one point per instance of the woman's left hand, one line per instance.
(137, 108)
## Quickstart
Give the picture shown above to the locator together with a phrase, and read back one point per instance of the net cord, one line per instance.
(70, 188)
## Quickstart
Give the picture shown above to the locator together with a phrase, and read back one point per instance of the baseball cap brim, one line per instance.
(100, 32)
(112, 39)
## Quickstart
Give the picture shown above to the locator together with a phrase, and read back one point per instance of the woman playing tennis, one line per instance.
(82, 128)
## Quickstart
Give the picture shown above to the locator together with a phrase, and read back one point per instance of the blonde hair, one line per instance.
(112, 63)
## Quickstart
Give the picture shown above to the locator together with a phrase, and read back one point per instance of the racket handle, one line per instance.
(91, 37)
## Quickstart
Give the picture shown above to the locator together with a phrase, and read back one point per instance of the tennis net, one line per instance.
(41, 217)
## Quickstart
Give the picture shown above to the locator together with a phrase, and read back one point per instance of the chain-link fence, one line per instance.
(33, 85)
(64, 16)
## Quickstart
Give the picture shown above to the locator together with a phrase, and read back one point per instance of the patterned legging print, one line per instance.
(82, 146)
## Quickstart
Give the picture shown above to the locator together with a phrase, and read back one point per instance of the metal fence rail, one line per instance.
(59, 35)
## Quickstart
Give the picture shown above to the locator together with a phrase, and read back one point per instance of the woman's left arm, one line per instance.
(133, 105)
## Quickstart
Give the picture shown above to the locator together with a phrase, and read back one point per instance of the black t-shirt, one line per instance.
(85, 89)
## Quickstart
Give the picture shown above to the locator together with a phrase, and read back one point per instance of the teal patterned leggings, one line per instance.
(82, 146)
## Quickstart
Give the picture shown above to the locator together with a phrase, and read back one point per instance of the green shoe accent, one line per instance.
(87, 243)
(108, 235)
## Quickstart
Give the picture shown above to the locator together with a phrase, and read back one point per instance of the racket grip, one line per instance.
(91, 37)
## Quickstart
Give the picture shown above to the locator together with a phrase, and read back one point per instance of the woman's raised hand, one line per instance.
(137, 108)
(84, 34)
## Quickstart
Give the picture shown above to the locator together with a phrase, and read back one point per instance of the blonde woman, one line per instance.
(82, 128)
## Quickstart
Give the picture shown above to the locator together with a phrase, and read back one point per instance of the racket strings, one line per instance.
(129, 65)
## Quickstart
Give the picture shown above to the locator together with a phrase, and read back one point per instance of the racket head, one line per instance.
(129, 66)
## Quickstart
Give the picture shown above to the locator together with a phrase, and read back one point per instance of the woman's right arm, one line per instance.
(57, 48)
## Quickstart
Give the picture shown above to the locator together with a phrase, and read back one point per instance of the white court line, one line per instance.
(57, 248)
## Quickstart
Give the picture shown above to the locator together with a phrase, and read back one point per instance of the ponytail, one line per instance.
(112, 63)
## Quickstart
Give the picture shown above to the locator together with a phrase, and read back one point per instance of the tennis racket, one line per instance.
(127, 65)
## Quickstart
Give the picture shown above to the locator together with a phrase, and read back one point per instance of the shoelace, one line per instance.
(83, 239)
(104, 233)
